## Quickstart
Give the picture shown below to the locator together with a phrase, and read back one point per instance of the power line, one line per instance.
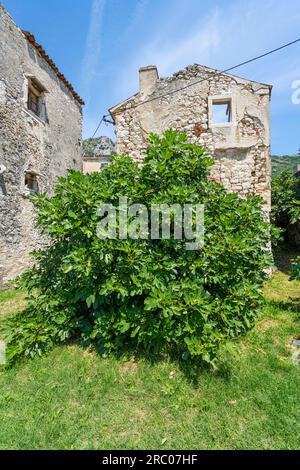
(102, 119)
(201, 80)
(98, 127)
(214, 75)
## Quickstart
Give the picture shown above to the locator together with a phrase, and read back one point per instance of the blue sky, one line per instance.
(100, 44)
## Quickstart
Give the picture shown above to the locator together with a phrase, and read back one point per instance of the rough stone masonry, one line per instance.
(40, 138)
(226, 114)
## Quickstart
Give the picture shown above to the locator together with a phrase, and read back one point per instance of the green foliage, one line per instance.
(285, 201)
(295, 271)
(284, 162)
(148, 294)
(89, 402)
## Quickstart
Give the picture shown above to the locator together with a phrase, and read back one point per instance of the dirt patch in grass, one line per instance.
(266, 325)
(12, 302)
(129, 367)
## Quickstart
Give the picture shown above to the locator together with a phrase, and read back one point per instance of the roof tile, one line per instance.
(31, 39)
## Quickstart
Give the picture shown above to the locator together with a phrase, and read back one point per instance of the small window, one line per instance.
(31, 182)
(221, 111)
(35, 93)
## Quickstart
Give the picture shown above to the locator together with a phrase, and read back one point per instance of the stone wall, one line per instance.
(27, 143)
(241, 148)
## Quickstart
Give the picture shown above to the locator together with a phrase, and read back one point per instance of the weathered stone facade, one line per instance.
(240, 147)
(39, 147)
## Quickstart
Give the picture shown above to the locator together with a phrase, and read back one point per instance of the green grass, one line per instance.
(74, 399)
(11, 301)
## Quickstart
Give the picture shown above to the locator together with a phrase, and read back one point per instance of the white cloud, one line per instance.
(135, 19)
(221, 38)
(174, 33)
(91, 59)
(171, 52)
(197, 44)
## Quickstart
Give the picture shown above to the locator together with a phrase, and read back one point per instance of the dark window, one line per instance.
(33, 102)
(31, 182)
(35, 93)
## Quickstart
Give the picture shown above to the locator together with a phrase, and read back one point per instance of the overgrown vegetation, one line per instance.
(286, 206)
(285, 213)
(137, 401)
(89, 402)
(284, 162)
(152, 295)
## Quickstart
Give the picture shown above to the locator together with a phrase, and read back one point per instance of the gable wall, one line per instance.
(241, 150)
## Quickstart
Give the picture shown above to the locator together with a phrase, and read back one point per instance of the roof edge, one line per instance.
(222, 72)
(119, 105)
(113, 109)
(31, 39)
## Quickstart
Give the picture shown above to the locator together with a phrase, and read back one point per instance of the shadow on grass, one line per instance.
(191, 368)
(292, 305)
(283, 257)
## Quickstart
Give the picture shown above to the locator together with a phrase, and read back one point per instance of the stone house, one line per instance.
(40, 138)
(226, 114)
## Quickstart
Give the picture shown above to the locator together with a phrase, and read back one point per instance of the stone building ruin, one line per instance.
(40, 138)
(226, 114)
(41, 131)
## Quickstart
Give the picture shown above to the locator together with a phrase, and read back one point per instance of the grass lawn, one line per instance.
(74, 399)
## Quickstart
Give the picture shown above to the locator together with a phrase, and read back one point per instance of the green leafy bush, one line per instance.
(149, 294)
(286, 205)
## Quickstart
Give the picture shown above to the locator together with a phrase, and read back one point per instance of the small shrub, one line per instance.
(149, 294)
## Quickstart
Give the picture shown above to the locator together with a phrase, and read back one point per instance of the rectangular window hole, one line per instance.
(221, 112)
